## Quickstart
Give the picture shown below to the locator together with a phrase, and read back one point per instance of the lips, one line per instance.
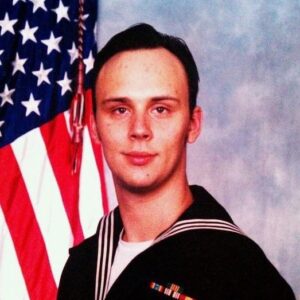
(139, 158)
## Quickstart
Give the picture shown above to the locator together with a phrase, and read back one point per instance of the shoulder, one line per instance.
(78, 276)
(86, 249)
(227, 262)
(79, 273)
(213, 262)
(107, 225)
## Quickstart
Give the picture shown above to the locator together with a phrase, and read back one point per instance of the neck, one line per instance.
(146, 215)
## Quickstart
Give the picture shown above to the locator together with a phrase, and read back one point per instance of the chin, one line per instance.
(137, 187)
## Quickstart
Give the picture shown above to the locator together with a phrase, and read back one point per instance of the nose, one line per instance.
(140, 128)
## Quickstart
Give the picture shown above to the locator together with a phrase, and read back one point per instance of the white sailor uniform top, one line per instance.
(203, 256)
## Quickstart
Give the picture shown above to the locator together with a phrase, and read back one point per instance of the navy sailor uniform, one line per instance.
(202, 256)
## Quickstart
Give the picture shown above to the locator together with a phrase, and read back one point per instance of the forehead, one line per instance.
(142, 68)
(148, 57)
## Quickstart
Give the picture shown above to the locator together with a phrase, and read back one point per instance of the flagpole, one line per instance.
(77, 105)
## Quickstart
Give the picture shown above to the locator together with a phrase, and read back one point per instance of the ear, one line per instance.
(94, 131)
(195, 125)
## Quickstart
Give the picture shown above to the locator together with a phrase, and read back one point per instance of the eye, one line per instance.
(120, 110)
(161, 109)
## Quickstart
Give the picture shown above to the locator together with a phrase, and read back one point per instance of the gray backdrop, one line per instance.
(248, 157)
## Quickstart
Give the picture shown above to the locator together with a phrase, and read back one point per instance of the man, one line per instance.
(165, 240)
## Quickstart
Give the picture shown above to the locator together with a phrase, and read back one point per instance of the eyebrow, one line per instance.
(126, 99)
(112, 100)
(166, 97)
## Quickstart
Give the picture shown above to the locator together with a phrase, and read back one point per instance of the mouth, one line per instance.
(138, 158)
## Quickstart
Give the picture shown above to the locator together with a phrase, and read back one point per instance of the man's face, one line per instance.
(143, 118)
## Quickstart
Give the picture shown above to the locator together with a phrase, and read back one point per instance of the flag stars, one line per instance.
(42, 74)
(6, 96)
(28, 33)
(84, 17)
(38, 4)
(52, 43)
(65, 84)
(16, 1)
(61, 12)
(7, 25)
(18, 64)
(1, 124)
(89, 62)
(73, 52)
(31, 105)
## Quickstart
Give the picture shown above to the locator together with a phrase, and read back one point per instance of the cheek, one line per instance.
(174, 133)
(173, 144)
(110, 135)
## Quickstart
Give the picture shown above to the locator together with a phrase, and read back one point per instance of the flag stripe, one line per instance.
(97, 149)
(90, 204)
(24, 229)
(45, 198)
(12, 274)
(59, 152)
(46, 208)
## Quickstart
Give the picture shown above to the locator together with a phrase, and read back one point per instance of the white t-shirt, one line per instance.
(125, 253)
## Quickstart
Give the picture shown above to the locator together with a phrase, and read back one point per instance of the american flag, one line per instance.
(45, 207)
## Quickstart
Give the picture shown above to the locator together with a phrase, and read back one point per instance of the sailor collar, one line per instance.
(214, 218)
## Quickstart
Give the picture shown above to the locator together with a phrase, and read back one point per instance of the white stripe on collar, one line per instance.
(199, 224)
(104, 256)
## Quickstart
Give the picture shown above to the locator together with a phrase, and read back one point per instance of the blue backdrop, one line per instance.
(248, 157)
